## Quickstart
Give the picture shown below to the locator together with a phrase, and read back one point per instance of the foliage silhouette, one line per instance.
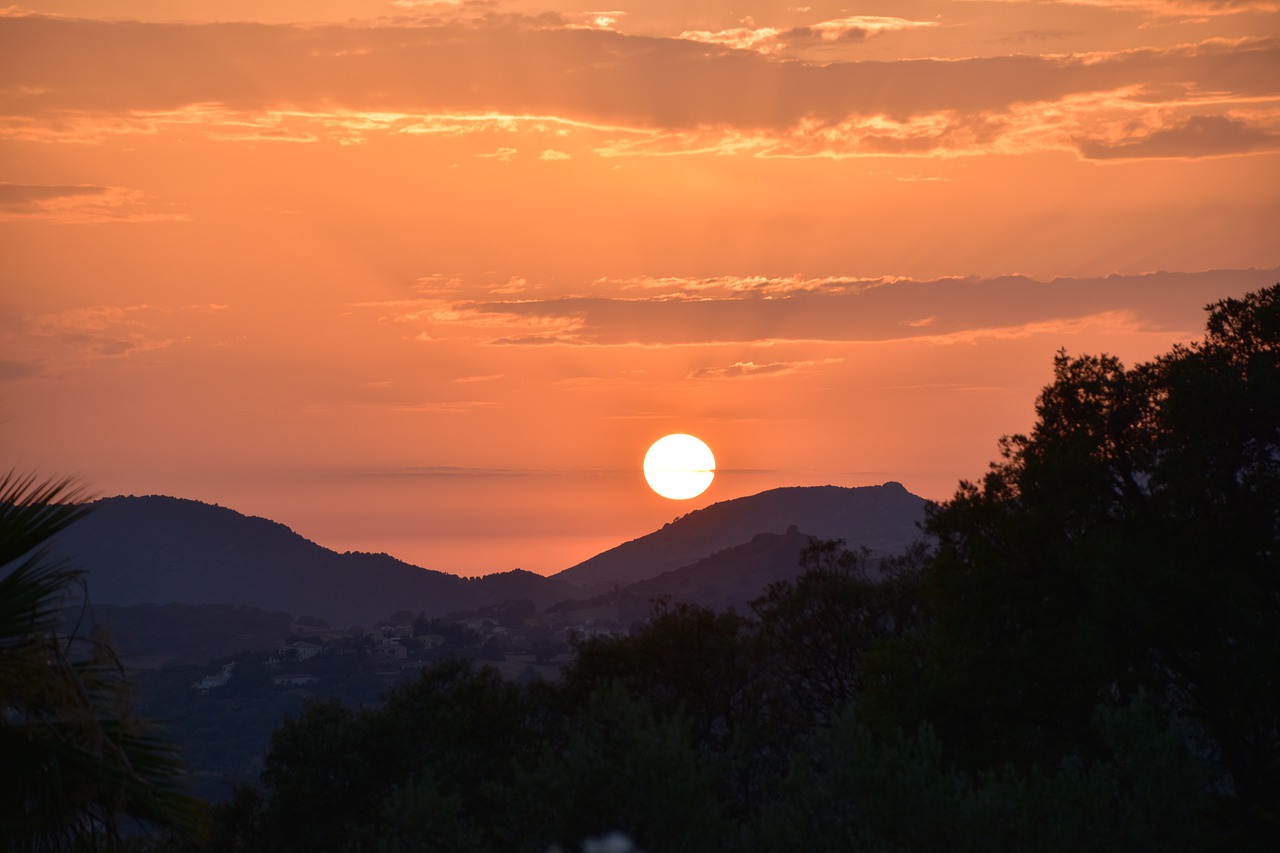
(79, 765)
(1129, 542)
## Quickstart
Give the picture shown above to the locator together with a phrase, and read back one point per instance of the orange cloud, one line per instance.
(625, 96)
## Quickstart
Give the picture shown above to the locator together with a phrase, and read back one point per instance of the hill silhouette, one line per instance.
(882, 518)
(163, 550)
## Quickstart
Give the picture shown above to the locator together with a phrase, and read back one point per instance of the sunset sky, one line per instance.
(429, 277)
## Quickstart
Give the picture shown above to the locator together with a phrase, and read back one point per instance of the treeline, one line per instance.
(1086, 657)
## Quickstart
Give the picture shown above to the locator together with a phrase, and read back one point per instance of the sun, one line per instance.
(679, 466)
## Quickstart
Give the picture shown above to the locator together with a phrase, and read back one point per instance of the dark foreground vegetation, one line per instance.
(1085, 657)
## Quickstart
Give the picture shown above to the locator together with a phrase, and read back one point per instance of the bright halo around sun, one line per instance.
(679, 466)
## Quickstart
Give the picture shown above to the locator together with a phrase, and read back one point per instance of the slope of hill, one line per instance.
(165, 550)
(733, 577)
(883, 518)
(148, 636)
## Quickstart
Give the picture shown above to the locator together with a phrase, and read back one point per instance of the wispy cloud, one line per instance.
(502, 155)
(1177, 8)
(84, 335)
(748, 369)
(1197, 136)
(946, 311)
(774, 40)
(77, 204)
(446, 407)
(14, 369)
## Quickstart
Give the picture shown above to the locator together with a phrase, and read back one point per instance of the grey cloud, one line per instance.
(56, 64)
(890, 311)
(11, 370)
(116, 347)
(850, 34)
(1198, 136)
(29, 197)
(533, 340)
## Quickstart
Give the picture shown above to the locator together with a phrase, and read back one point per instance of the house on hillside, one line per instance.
(299, 651)
(392, 649)
(210, 682)
(392, 631)
(297, 679)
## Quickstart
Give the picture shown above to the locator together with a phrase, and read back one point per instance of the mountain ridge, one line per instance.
(883, 518)
(162, 550)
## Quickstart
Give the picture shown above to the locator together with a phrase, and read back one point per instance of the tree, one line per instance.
(1130, 542)
(851, 790)
(78, 762)
(686, 659)
(615, 764)
(813, 634)
(443, 747)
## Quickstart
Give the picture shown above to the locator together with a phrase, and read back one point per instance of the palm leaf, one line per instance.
(77, 760)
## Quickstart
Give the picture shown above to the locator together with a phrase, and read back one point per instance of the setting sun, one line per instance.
(679, 466)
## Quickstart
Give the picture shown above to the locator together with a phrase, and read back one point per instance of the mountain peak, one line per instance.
(883, 518)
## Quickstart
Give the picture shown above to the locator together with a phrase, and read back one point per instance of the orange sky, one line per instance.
(429, 277)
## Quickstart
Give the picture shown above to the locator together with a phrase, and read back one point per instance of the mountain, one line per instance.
(164, 550)
(733, 578)
(883, 518)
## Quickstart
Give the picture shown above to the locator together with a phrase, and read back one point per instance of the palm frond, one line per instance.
(77, 760)
(32, 511)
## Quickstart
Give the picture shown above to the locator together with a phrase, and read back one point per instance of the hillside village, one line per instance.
(513, 636)
(223, 710)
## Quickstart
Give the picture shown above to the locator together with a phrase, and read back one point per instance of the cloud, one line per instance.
(448, 407)
(502, 155)
(67, 204)
(1197, 136)
(96, 318)
(766, 40)
(534, 340)
(772, 40)
(741, 369)
(628, 95)
(552, 154)
(11, 369)
(80, 336)
(951, 310)
(1180, 8)
(26, 197)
